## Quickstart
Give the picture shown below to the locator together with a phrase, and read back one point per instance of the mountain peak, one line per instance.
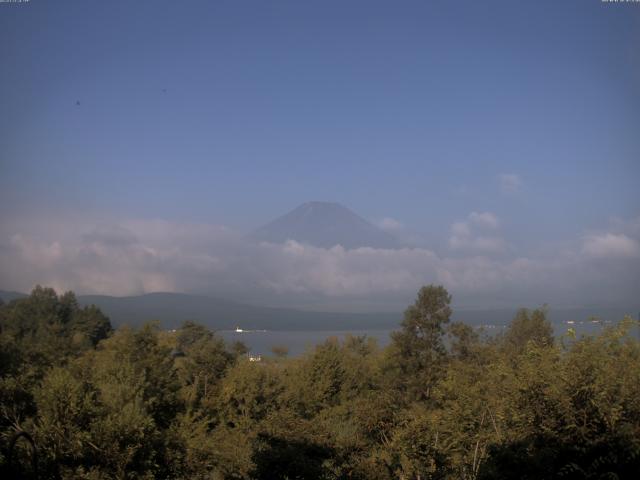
(325, 224)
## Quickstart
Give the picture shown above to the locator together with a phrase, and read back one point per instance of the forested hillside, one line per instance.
(440, 402)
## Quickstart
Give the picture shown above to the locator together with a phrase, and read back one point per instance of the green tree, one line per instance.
(417, 354)
(464, 340)
(528, 327)
(203, 362)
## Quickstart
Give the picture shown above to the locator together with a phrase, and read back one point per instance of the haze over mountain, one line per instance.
(325, 224)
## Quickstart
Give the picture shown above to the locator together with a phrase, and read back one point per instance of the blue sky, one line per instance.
(231, 113)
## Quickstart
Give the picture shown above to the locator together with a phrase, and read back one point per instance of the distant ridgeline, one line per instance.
(79, 400)
(171, 309)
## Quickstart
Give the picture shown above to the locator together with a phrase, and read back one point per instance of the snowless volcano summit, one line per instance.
(325, 224)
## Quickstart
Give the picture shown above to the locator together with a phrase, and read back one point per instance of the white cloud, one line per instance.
(42, 253)
(390, 224)
(484, 219)
(465, 236)
(142, 256)
(611, 245)
(405, 236)
(461, 229)
(510, 182)
(477, 244)
(629, 227)
(133, 258)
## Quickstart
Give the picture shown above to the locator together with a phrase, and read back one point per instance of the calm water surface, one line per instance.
(261, 342)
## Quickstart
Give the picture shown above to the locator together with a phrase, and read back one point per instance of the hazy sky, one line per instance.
(484, 133)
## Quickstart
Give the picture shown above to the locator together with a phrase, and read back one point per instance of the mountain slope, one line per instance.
(325, 224)
(7, 296)
(171, 309)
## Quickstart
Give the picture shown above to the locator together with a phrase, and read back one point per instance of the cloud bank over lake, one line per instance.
(479, 265)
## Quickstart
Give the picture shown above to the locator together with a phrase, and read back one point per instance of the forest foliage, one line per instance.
(442, 401)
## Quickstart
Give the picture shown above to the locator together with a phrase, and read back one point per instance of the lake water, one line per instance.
(261, 342)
